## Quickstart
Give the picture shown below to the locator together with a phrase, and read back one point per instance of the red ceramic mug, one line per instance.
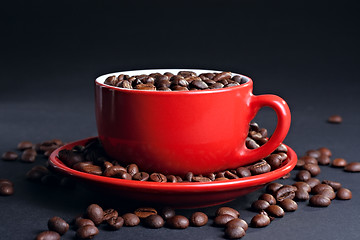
(176, 132)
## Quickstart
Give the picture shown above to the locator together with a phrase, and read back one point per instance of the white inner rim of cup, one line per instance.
(102, 78)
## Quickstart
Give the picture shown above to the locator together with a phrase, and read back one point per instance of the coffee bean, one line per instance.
(323, 160)
(260, 168)
(328, 193)
(309, 159)
(303, 175)
(271, 188)
(312, 168)
(70, 158)
(288, 205)
(189, 176)
(145, 212)
(198, 219)
(6, 187)
(286, 176)
(123, 175)
(142, 176)
(352, 167)
(221, 220)
(302, 185)
(9, 156)
(286, 191)
(107, 165)
(228, 211)
(221, 179)
(268, 197)
(167, 212)
(335, 119)
(200, 179)
(275, 211)
(313, 153)
(335, 185)
(110, 213)
(281, 148)
(234, 232)
(199, 84)
(58, 225)
(132, 169)
(178, 222)
(114, 170)
(344, 194)
(230, 175)
(312, 182)
(87, 232)
(28, 156)
(95, 213)
(301, 195)
(320, 187)
(115, 223)
(243, 172)
(158, 177)
(274, 161)
(259, 205)
(237, 222)
(131, 220)
(81, 222)
(339, 162)
(299, 164)
(24, 145)
(211, 176)
(154, 221)
(88, 167)
(36, 173)
(319, 201)
(325, 151)
(260, 220)
(251, 144)
(48, 235)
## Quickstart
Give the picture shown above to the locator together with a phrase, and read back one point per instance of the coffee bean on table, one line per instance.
(339, 162)
(145, 212)
(335, 185)
(48, 235)
(301, 195)
(312, 182)
(352, 167)
(320, 187)
(167, 212)
(302, 185)
(154, 221)
(115, 223)
(313, 153)
(328, 193)
(178, 222)
(237, 222)
(36, 173)
(9, 156)
(260, 168)
(243, 172)
(158, 177)
(87, 232)
(268, 197)
(303, 175)
(309, 159)
(110, 213)
(344, 194)
(6, 187)
(24, 145)
(198, 219)
(260, 220)
(335, 119)
(95, 213)
(227, 210)
(314, 169)
(221, 220)
(234, 232)
(300, 163)
(275, 211)
(271, 188)
(288, 205)
(323, 160)
(319, 201)
(28, 156)
(325, 151)
(286, 191)
(131, 220)
(259, 205)
(58, 225)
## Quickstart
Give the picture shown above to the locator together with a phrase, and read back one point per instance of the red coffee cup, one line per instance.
(176, 132)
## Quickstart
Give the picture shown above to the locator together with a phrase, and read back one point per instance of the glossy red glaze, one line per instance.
(185, 195)
(183, 131)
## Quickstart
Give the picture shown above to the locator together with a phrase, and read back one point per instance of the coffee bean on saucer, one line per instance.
(319, 201)
(9, 156)
(268, 197)
(131, 220)
(234, 232)
(221, 179)
(167, 212)
(58, 225)
(114, 170)
(274, 161)
(144, 212)
(260, 220)
(198, 219)
(115, 223)
(88, 167)
(339, 162)
(158, 177)
(230, 175)
(110, 213)
(271, 188)
(200, 179)
(312, 182)
(314, 169)
(302, 185)
(237, 222)
(288, 205)
(132, 169)
(286, 191)
(301, 195)
(6, 187)
(227, 210)
(221, 220)
(24, 145)
(211, 176)
(344, 194)
(260, 168)
(320, 187)
(243, 172)
(28, 155)
(275, 211)
(335, 185)
(178, 222)
(170, 178)
(352, 167)
(189, 176)
(303, 175)
(251, 144)
(48, 235)
(123, 175)
(259, 205)
(95, 213)
(335, 119)
(87, 232)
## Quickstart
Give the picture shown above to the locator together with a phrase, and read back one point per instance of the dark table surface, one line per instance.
(306, 53)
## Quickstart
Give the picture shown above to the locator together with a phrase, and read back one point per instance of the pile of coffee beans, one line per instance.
(183, 81)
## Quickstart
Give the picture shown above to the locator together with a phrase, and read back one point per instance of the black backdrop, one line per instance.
(51, 51)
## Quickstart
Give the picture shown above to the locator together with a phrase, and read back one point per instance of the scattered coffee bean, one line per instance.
(29, 155)
(335, 185)
(303, 175)
(313, 153)
(81, 222)
(115, 223)
(95, 213)
(37, 173)
(237, 222)
(309, 159)
(344, 194)
(198, 219)
(323, 160)
(131, 220)
(288, 205)
(275, 211)
(335, 119)
(6, 187)
(234, 232)
(314, 169)
(24, 145)
(9, 156)
(352, 167)
(260, 168)
(302, 185)
(110, 213)
(301, 195)
(286, 191)
(154, 221)
(339, 162)
(178, 222)
(228, 211)
(260, 220)
(312, 182)
(300, 163)
(87, 232)
(319, 201)
(268, 197)
(167, 213)
(48, 235)
(271, 188)
(320, 187)
(325, 151)
(259, 205)
(145, 212)
(328, 193)
(58, 225)
(221, 220)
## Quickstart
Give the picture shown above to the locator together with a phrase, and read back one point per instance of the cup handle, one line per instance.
(282, 110)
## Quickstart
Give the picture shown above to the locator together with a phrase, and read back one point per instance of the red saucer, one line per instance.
(185, 195)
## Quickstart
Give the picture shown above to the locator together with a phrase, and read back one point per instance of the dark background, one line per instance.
(304, 51)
